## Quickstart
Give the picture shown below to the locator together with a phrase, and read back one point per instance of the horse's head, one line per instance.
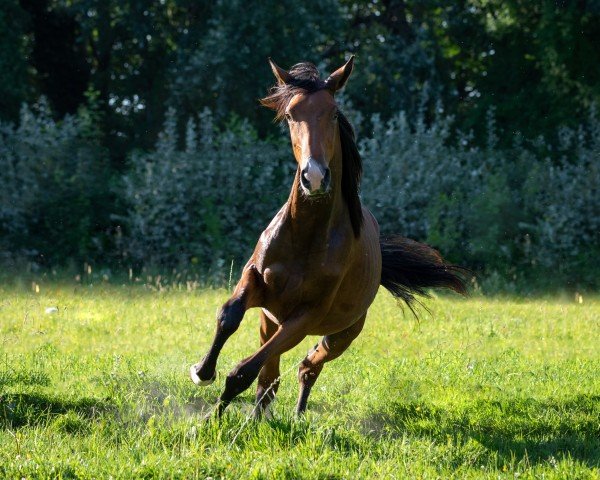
(306, 102)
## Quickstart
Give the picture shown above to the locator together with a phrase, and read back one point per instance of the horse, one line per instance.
(318, 265)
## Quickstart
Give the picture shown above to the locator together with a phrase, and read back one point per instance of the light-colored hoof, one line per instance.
(197, 380)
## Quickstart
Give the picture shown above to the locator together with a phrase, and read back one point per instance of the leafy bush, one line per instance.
(521, 216)
(511, 213)
(55, 196)
(565, 199)
(208, 202)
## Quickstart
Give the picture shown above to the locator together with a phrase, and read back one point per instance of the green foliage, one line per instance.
(56, 197)
(130, 47)
(208, 202)
(396, 56)
(529, 217)
(227, 69)
(14, 74)
(519, 214)
(542, 66)
(534, 61)
(497, 198)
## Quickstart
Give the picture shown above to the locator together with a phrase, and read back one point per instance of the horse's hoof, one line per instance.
(197, 380)
(260, 413)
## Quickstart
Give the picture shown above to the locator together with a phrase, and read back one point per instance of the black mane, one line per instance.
(305, 79)
(351, 173)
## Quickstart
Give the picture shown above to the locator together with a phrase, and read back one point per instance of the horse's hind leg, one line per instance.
(329, 348)
(247, 294)
(268, 378)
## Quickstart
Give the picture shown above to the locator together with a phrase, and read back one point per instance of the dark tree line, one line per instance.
(535, 62)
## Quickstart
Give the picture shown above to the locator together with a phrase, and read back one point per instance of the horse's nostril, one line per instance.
(304, 180)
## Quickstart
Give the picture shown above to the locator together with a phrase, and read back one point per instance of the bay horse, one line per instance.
(318, 265)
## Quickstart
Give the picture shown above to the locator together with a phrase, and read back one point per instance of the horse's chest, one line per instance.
(287, 286)
(281, 280)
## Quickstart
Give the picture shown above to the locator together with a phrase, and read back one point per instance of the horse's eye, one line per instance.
(288, 117)
(335, 116)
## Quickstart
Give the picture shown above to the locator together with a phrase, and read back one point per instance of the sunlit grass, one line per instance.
(479, 388)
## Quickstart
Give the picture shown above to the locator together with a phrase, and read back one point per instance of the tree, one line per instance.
(227, 69)
(15, 79)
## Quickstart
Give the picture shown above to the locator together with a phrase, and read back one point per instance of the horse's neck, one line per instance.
(311, 219)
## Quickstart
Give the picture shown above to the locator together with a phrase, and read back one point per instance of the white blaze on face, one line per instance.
(314, 174)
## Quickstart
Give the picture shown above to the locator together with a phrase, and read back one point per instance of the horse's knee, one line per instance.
(248, 294)
(230, 316)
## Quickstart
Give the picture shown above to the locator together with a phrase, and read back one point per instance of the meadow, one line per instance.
(98, 387)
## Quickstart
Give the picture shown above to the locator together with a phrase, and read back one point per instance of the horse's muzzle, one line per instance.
(315, 178)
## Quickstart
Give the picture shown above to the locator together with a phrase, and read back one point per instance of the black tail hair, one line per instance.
(409, 267)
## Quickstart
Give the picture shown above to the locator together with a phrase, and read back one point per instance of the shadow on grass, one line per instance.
(31, 409)
(513, 428)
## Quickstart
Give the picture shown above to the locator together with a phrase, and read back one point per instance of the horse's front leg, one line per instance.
(247, 294)
(290, 334)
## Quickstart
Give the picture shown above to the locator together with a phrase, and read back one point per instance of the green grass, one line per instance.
(482, 388)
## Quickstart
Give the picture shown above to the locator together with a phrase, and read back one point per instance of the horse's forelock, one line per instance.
(305, 78)
(306, 72)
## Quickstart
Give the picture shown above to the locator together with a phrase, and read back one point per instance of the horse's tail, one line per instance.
(409, 267)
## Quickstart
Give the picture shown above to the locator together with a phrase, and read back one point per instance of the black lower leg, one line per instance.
(268, 384)
(265, 395)
(307, 376)
(228, 321)
(237, 381)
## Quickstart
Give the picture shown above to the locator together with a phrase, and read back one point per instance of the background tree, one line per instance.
(15, 78)
(226, 69)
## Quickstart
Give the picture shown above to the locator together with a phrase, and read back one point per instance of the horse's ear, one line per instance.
(280, 74)
(339, 78)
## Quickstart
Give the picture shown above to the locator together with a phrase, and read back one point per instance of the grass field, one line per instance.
(482, 388)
